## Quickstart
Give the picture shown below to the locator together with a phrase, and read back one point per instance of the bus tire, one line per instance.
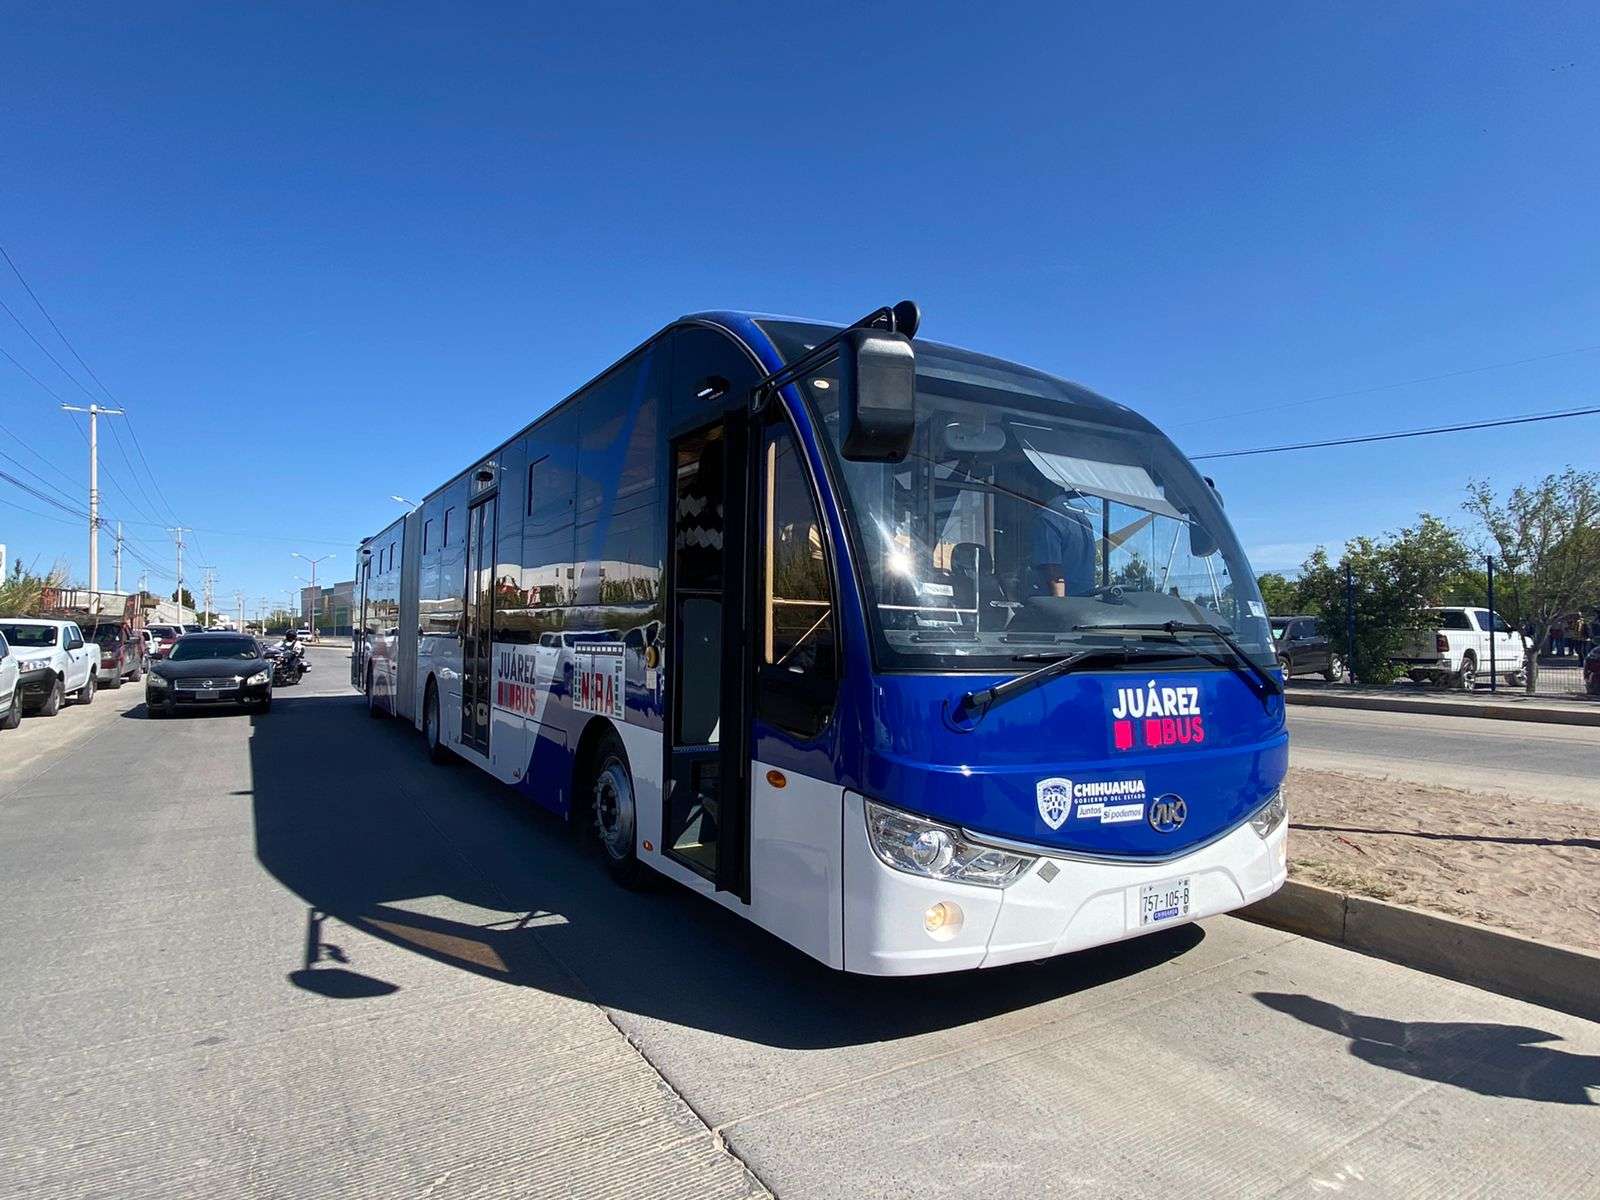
(432, 732)
(610, 797)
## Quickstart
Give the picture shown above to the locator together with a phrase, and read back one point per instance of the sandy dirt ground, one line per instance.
(1526, 865)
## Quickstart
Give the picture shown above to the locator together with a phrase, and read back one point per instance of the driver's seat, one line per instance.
(979, 587)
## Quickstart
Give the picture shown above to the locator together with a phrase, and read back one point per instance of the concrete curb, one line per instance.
(1544, 973)
(1449, 708)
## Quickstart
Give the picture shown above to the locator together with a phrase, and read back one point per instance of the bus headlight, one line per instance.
(919, 846)
(1270, 815)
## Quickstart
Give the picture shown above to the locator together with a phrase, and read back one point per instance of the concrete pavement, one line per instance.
(1549, 762)
(178, 1022)
(484, 1013)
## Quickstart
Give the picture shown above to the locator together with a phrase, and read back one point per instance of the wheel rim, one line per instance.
(1337, 667)
(1469, 675)
(613, 809)
(1283, 665)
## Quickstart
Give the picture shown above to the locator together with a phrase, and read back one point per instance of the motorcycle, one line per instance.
(288, 664)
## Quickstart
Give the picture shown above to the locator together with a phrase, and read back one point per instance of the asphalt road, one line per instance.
(284, 956)
(1548, 762)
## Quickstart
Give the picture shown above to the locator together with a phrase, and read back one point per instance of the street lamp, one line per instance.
(403, 500)
(313, 562)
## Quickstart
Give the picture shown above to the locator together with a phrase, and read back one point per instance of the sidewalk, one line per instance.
(1504, 704)
(1492, 890)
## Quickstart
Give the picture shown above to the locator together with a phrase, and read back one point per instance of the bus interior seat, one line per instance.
(979, 585)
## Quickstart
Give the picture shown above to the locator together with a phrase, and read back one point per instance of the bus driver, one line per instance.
(1061, 548)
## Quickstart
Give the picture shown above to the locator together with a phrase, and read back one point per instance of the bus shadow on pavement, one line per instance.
(1492, 1060)
(351, 817)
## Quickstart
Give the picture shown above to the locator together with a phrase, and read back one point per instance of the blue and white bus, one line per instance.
(919, 659)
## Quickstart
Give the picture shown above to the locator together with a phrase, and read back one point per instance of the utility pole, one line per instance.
(317, 598)
(177, 532)
(209, 584)
(116, 585)
(238, 598)
(95, 412)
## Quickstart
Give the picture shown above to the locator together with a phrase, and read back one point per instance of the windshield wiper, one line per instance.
(976, 704)
(1239, 660)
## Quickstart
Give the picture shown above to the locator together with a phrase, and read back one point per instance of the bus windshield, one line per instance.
(1030, 514)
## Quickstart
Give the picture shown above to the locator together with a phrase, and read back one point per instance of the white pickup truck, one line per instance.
(55, 661)
(1457, 652)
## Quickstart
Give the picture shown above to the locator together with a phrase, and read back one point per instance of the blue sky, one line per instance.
(325, 254)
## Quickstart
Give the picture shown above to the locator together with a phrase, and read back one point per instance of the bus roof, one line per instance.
(747, 327)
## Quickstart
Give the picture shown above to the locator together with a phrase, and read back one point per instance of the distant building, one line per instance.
(328, 609)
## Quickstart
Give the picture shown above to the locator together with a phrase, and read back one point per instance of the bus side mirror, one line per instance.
(877, 395)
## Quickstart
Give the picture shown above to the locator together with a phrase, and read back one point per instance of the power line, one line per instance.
(1386, 387)
(39, 304)
(45, 496)
(33, 512)
(22, 466)
(48, 390)
(1407, 433)
(67, 342)
(81, 386)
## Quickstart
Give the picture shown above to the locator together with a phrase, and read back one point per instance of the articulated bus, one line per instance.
(919, 659)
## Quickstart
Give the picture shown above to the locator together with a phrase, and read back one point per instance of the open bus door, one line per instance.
(706, 822)
(360, 648)
(478, 626)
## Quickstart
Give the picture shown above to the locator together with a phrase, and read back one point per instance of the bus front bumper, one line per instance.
(1060, 905)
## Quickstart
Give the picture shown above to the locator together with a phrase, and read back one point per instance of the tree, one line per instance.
(20, 592)
(1548, 538)
(187, 601)
(1396, 579)
(1281, 594)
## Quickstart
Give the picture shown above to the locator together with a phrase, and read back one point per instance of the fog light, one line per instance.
(942, 920)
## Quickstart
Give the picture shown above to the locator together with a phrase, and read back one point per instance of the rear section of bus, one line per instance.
(1059, 723)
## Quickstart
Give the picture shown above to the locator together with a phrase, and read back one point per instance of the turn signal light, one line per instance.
(942, 920)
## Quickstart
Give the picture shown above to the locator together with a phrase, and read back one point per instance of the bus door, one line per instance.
(360, 649)
(477, 634)
(706, 818)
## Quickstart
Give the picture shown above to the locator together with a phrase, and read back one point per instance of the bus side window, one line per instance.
(798, 674)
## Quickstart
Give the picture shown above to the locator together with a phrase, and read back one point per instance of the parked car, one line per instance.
(1457, 651)
(210, 669)
(10, 687)
(1591, 672)
(122, 652)
(55, 660)
(162, 638)
(1303, 649)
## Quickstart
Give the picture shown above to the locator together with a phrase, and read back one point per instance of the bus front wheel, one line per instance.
(611, 801)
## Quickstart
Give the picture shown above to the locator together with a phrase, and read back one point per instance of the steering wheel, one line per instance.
(1113, 590)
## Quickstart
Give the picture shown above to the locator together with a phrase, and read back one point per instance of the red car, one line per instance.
(163, 638)
(121, 650)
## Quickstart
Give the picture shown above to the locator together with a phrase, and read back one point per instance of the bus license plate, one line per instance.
(1165, 901)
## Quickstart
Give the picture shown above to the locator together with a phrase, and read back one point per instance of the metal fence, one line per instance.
(1368, 652)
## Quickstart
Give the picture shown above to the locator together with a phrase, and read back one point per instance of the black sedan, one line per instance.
(209, 669)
